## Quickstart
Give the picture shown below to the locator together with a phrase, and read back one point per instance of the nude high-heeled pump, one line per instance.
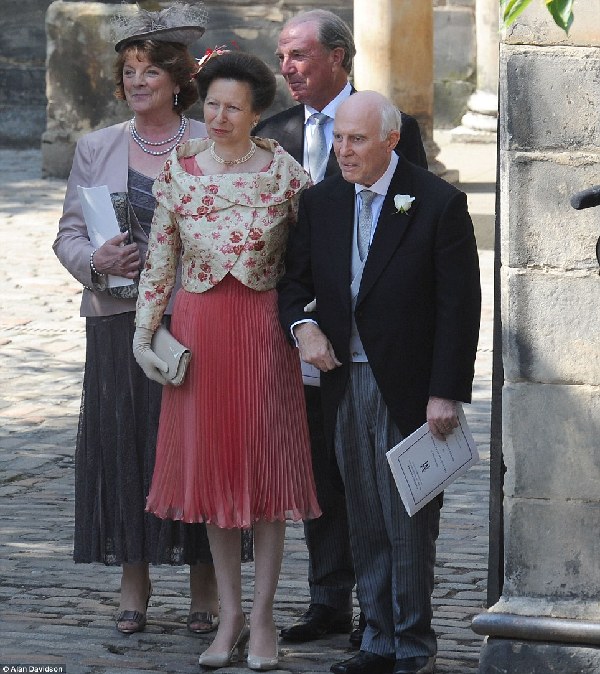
(262, 664)
(217, 660)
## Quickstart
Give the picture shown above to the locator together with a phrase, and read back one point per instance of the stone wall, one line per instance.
(22, 72)
(549, 149)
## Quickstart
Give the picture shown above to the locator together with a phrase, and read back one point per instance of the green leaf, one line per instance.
(511, 9)
(562, 13)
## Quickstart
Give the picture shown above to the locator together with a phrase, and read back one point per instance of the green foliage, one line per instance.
(511, 10)
(561, 11)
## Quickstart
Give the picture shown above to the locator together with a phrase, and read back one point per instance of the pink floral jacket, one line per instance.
(235, 223)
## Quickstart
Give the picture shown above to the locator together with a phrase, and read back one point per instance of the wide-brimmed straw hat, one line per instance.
(180, 23)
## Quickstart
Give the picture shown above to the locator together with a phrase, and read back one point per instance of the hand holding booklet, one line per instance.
(424, 466)
(101, 221)
(311, 376)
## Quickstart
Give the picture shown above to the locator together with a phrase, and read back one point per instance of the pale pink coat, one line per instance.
(101, 158)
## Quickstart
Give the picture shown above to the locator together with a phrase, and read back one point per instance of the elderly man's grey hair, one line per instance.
(391, 119)
(333, 32)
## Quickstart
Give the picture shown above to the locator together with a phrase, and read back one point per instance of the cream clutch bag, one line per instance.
(175, 355)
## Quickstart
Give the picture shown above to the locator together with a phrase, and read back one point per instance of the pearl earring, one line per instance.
(175, 100)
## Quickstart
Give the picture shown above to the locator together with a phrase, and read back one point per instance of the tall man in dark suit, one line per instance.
(388, 251)
(315, 50)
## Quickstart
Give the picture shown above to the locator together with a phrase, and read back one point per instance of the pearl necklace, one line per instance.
(175, 139)
(232, 162)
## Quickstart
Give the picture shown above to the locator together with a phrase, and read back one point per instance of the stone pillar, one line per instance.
(79, 83)
(548, 617)
(480, 121)
(398, 61)
(455, 60)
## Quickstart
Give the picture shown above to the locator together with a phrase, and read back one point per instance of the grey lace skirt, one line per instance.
(114, 459)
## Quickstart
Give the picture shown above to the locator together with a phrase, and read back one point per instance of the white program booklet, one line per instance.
(310, 375)
(101, 222)
(424, 466)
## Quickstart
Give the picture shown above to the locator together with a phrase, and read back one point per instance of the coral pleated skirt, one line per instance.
(233, 443)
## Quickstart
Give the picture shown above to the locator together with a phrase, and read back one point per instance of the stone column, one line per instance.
(398, 62)
(548, 617)
(79, 83)
(480, 121)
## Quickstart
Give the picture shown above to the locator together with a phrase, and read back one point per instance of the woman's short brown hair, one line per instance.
(241, 67)
(172, 57)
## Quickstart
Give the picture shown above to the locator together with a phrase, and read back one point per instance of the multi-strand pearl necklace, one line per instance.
(175, 139)
(232, 162)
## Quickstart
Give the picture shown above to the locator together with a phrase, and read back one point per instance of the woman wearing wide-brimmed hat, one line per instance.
(120, 407)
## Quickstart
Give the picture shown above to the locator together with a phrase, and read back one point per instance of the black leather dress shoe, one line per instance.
(357, 633)
(418, 665)
(317, 622)
(364, 663)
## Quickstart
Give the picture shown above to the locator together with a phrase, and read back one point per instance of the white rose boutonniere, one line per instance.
(403, 202)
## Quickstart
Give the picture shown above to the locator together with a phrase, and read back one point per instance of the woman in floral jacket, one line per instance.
(233, 447)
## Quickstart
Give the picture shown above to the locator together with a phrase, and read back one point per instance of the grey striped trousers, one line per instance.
(393, 554)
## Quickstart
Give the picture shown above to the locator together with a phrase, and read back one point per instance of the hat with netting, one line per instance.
(181, 23)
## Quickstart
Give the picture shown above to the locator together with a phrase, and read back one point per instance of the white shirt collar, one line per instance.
(382, 186)
(331, 107)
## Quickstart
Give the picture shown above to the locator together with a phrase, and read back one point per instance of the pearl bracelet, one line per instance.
(92, 267)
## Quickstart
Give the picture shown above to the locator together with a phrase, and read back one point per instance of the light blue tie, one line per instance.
(365, 222)
(317, 150)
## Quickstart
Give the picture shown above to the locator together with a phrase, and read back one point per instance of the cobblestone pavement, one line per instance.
(55, 612)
